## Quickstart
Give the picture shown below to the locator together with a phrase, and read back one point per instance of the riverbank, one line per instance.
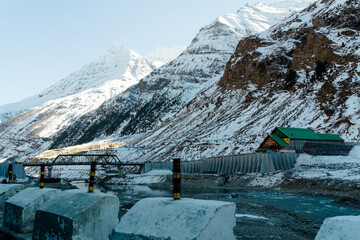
(268, 206)
(342, 191)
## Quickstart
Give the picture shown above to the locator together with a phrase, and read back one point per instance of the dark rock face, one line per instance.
(309, 47)
(303, 72)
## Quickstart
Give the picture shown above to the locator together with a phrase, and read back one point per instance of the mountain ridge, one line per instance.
(157, 98)
(118, 62)
(143, 108)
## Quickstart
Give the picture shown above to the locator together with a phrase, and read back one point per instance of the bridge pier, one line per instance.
(49, 171)
(119, 170)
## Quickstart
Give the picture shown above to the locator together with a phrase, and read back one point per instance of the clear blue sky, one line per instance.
(43, 41)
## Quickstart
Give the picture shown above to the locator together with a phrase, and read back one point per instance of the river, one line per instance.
(259, 214)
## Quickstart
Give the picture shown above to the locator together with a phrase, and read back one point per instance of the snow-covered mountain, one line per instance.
(139, 113)
(72, 97)
(165, 55)
(157, 99)
(117, 63)
(302, 72)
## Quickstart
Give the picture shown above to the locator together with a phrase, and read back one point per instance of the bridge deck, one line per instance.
(82, 159)
(79, 163)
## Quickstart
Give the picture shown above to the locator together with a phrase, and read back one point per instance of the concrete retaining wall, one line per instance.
(244, 163)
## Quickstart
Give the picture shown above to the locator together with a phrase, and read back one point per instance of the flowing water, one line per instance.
(259, 214)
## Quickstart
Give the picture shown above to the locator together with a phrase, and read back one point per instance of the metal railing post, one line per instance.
(92, 176)
(42, 176)
(10, 170)
(176, 179)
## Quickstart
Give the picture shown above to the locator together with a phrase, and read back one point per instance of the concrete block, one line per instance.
(19, 214)
(77, 215)
(341, 227)
(165, 218)
(7, 191)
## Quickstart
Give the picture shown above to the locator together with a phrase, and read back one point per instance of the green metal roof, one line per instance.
(298, 133)
(330, 137)
(304, 134)
(279, 140)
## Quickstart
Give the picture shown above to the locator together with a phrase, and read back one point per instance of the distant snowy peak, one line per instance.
(165, 55)
(159, 97)
(248, 20)
(117, 63)
(258, 17)
(116, 52)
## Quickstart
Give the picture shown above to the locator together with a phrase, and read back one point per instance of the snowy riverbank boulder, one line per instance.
(165, 218)
(19, 214)
(75, 214)
(342, 227)
(7, 191)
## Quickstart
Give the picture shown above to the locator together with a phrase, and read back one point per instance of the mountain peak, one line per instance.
(119, 51)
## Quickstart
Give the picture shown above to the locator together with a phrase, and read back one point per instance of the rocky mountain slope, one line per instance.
(157, 98)
(302, 72)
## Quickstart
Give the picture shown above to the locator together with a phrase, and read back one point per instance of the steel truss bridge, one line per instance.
(83, 159)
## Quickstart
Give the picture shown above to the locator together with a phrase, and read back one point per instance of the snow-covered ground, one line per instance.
(250, 216)
(154, 176)
(267, 180)
(335, 167)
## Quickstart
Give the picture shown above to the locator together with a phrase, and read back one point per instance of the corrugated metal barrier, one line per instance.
(244, 163)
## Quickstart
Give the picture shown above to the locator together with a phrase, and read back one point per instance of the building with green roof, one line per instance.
(295, 139)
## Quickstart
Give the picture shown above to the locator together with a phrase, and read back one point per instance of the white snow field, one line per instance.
(20, 209)
(154, 176)
(165, 218)
(341, 227)
(335, 167)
